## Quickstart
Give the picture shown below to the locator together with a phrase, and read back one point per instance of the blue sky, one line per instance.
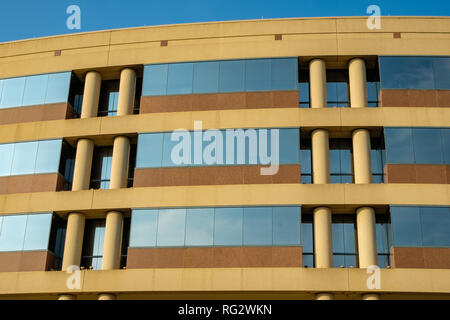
(22, 19)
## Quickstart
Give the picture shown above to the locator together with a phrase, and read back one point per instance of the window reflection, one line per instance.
(337, 88)
(101, 168)
(200, 227)
(341, 161)
(257, 226)
(94, 236)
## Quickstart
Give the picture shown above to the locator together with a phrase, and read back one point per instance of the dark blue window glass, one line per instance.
(12, 95)
(180, 78)
(445, 133)
(232, 76)
(101, 168)
(200, 227)
(155, 80)
(427, 145)
(305, 161)
(144, 225)
(340, 161)
(35, 90)
(150, 150)
(393, 73)
(382, 228)
(373, 91)
(206, 77)
(171, 228)
(257, 226)
(406, 226)
(284, 74)
(289, 146)
(257, 75)
(435, 226)
(286, 226)
(344, 250)
(228, 226)
(304, 94)
(441, 73)
(378, 159)
(399, 146)
(58, 87)
(420, 73)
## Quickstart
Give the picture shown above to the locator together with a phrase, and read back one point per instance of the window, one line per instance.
(417, 145)
(35, 90)
(48, 156)
(435, 223)
(67, 164)
(207, 227)
(344, 248)
(101, 168)
(341, 161)
(337, 88)
(378, 155)
(383, 232)
(399, 147)
(109, 98)
(373, 87)
(307, 232)
(25, 232)
(154, 150)
(406, 226)
(24, 160)
(94, 236)
(306, 161)
(57, 240)
(221, 76)
(414, 72)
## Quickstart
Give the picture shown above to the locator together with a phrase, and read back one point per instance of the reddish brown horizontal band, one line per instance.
(428, 258)
(32, 183)
(26, 261)
(417, 173)
(56, 111)
(189, 176)
(220, 101)
(415, 98)
(216, 257)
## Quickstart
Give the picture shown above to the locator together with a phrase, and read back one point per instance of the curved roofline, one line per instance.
(216, 22)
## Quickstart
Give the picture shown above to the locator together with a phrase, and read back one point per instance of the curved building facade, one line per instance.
(266, 159)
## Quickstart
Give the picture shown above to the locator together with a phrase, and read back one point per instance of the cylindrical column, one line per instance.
(91, 94)
(119, 165)
(324, 296)
(320, 156)
(367, 242)
(67, 297)
(113, 240)
(127, 91)
(323, 241)
(106, 296)
(362, 162)
(83, 165)
(74, 240)
(318, 83)
(357, 83)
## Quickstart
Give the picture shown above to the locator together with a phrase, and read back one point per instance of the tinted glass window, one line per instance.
(257, 75)
(427, 146)
(37, 231)
(441, 73)
(58, 87)
(445, 134)
(289, 146)
(284, 74)
(171, 227)
(435, 226)
(286, 226)
(155, 80)
(144, 224)
(258, 226)
(406, 226)
(48, 156)
(393, 72)
(399, 147)
(206, 77)
(6, 158)
(180, 78)
(149, 150)
(304, 94)
(13, 233)
(420, 73)
(24, 160)
(199, 227)
(228, 227)
(35, 89)
(231, 76)
(12, 94)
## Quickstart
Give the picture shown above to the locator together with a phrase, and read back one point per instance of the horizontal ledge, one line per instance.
(227, 280)
(103, 129)
(348, 195)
